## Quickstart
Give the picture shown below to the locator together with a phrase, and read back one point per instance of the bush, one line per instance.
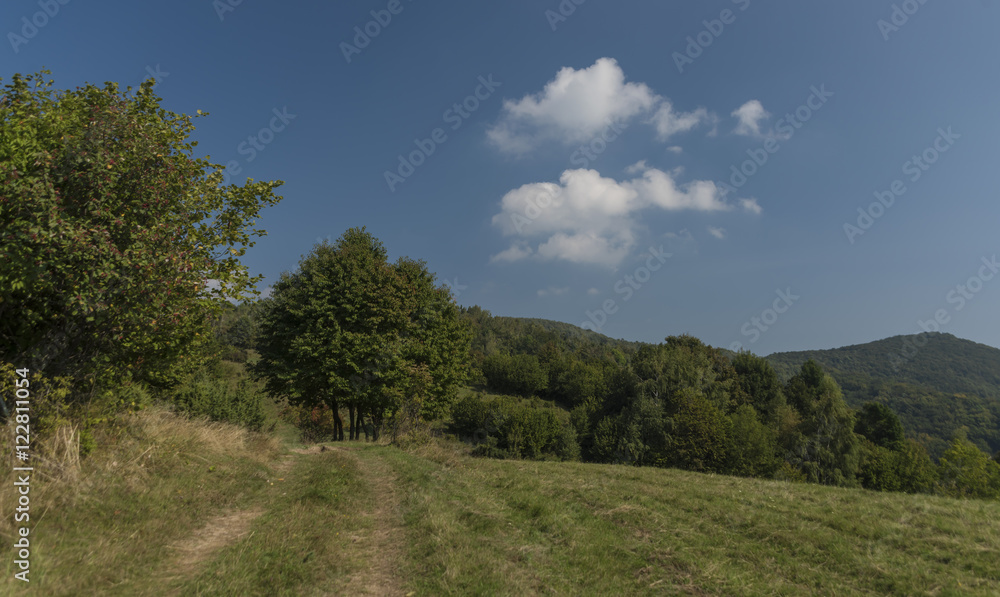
(506, 428)
(520, 374)
(222, 402)
(314, 424)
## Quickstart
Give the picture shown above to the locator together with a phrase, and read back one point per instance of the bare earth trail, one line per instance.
(379, 547)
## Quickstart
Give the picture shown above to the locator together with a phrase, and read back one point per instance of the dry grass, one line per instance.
(153, 478)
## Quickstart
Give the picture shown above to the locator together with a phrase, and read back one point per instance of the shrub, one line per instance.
(503, 427)
(314, 424)
(222, 402)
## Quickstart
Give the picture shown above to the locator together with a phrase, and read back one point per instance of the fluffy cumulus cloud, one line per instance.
(719, 233)
(590, 219)
(750, 116)
(577, 105)
(669, 122)
(751, 206)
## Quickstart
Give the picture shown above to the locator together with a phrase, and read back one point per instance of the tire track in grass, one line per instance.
(382, 545)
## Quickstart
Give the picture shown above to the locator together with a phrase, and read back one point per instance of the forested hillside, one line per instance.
(935, 382)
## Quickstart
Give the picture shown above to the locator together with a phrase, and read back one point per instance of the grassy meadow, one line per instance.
(182, 507)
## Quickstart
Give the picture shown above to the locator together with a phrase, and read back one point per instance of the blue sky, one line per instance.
(489, 105)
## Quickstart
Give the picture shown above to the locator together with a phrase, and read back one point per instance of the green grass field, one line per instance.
(179, 508)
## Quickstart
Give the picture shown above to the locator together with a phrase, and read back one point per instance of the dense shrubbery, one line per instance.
(684, 404)
(230, 398)
(510, 428)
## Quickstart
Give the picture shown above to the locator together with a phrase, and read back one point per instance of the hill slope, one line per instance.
(936, 382)
(361, 519)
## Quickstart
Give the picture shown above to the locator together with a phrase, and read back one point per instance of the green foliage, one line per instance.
(945, 383)
(917, 473)
(827, 450)
(232, 400)
(760, 384)
(350, 326)
(509, 428)
(967, 471)
(700, 438)
(520, 374)
(688, 405)
(753, 447)
(879, 467)
(111, 230)
(880, 425)
(315, 424)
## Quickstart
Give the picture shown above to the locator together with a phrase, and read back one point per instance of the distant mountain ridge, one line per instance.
(936, 382)
(940, 361)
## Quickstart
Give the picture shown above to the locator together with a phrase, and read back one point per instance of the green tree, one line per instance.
(880, 425)
(879, 467)
(760, 384)
(967, 471)
(826, 450)
(917, 473)
(753, 447)
(348, 327)
(111, 233)
(699, 438)
(519, 374)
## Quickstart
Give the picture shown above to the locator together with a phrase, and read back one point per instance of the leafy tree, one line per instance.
(111, 233)
(350, 327)
(519, 374)
(760, 384)
(879, 467)
(699, 438)
(753, 447)
(880, 425)
(967, 471)
(827, 450)
(917, 473)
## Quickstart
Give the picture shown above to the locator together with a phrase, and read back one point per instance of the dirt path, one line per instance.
(379, 547)
(382, 545)
(201, 546)
(219, 532)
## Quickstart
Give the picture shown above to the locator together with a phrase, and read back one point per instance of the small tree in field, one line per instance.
(350, 328)
(110, 231)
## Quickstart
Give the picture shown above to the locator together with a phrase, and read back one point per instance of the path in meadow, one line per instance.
(382, 545)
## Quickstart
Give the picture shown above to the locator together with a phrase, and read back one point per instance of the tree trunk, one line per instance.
(353, 430)
(338, 423)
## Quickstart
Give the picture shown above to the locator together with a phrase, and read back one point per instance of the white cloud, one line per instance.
(639, 166)
(751, 206)
(573, 107)
(577, 105)
(675, 149)
(553, 291)
(516, 252)
(668, 122)
(719, 233)
(592, 291)
(590, 219)
(750, 115)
